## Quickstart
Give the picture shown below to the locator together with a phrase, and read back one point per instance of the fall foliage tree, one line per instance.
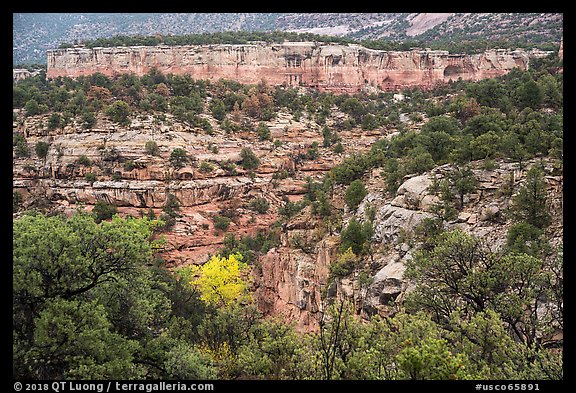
(220, 280)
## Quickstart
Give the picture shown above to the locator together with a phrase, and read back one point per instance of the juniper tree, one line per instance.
(530, 203)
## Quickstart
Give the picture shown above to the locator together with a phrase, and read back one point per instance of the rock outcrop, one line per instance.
(292, 278)
(482, 216)
(290, 282)
(19, 74)
(329, 67)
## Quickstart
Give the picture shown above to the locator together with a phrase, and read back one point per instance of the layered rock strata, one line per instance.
(327, 67)
(117, 170)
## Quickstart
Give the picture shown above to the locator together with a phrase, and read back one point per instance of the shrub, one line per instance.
(228, 166)
(299, 241)
(20, 146)
(263, 132)
(221, 222)
(119, 112)
(213, 148)
(328, 137)
(129, 165)
(344, 265)
(16, 201)
(83, 160)
(32, 108)
(88, 119)
(170, 211)
(206, 167)
(41, 149)
(151, 148)
(172, 206)
(464, 182)
(229, 126)
(204, 124)
(218, 109)
(290, 209)
(312, 152)
(530, 203)
(249, 160)
(350, 169)
(260, 205)
(321, 206)
(419, 161)
(338, 148)
(355, 193)
(103, 211)
(90, 177)
(369, 122)
(525, 238)
(355, 236)
(54, 121)
(178, 157)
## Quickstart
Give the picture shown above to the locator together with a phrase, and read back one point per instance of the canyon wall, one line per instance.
(327, 67)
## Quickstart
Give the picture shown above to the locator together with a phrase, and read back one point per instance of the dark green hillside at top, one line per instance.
(528, 27)
(543, 31)
(226, 37)
(33, 33)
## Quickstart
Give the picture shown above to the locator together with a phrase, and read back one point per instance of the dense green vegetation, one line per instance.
(91, 300)
(79, 315)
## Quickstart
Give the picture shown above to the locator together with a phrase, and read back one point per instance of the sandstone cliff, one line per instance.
(337, 68)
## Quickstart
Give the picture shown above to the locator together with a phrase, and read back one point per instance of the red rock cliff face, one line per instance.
(337, 68)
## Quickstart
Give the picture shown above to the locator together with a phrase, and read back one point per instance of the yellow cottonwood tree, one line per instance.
(220, 280)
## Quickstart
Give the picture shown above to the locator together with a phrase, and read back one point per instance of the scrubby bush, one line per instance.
(42, 149)
(119, 112)
(84, 160)
(249, 160)
(103, 211)
(355, 193)
(151, 148)
(206, 167)
(356, 235)
(221, 222)
(178, 157)
(260, 205)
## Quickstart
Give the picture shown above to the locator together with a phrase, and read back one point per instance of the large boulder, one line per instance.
(390, 221)
(411, 193)
(388, 283)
